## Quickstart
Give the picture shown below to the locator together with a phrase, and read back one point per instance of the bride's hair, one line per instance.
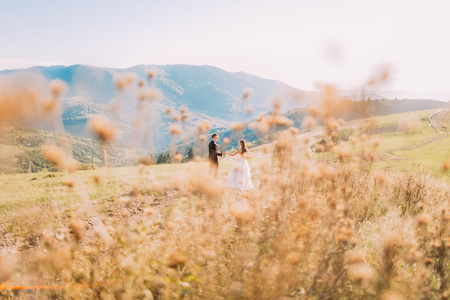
(243, 146)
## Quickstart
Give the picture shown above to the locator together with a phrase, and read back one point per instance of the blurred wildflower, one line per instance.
(175, 129)
(103, 127)
(176, 259)
(247, 93)
(308, 122)
(241, 211)
(238, 126)
(178, 157)
(151, 73)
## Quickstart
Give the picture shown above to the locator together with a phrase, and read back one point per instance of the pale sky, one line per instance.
(298, 42)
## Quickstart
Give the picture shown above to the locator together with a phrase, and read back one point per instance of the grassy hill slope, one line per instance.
(21, 151)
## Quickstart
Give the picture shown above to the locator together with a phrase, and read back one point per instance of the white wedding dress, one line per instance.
(239, 175)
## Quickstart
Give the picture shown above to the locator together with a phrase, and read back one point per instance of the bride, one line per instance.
(239, 175)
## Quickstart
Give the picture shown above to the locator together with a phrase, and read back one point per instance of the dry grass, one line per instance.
(311, 229)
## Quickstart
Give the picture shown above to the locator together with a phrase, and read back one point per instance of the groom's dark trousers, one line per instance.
(213, 158)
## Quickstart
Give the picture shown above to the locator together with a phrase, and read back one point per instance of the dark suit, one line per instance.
(213, 148)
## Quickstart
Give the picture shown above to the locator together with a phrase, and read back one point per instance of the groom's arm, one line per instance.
(217, 151)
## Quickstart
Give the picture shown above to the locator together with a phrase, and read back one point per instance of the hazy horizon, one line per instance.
(353, 94)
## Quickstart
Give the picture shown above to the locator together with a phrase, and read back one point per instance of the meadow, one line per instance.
(366, 219)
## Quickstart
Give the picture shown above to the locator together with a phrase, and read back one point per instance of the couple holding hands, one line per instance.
(239, 175)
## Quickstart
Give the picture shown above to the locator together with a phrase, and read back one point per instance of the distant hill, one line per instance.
(390, 107)
(347, 109)
(21, 151)
(400, 95)
(210, 94)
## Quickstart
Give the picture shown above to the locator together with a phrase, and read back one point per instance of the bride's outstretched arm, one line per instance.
(234, 153)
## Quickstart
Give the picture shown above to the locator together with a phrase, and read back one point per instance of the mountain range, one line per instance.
(208, 93)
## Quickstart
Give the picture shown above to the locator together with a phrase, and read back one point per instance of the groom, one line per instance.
(213, 154)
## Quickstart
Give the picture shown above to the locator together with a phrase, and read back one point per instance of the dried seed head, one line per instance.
(380, 177)
(340, 237)
(355, 257)
(178, 157)
(176, 259)
(154, 94)
(58, 87)
(263, 126)
(69, 181)
(241, 211)
(293, 257)
(253, 125)
(446, 165)
(362, 273)
(124, 80)
(55, 155)
(249, 109)
(423, 219)
(385, 74)
(283, 121)
(184, 117)
(247, 93)
(150, 211)
(175, 129)
(98, 178)
(309, 122)
(238, 126)
(340, 207)
(342, 150)
(50, 105)
(103, 127)
(71, 164)
(77, 227)
(276, 104)
(437, 244)
(294, 131)
(21, 96)
(376, 142)
(151, 73)
(315, 112)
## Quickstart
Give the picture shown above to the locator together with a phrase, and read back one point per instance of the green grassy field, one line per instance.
(429, 155)
(421, 149)
(400, 138)
(419, 153)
